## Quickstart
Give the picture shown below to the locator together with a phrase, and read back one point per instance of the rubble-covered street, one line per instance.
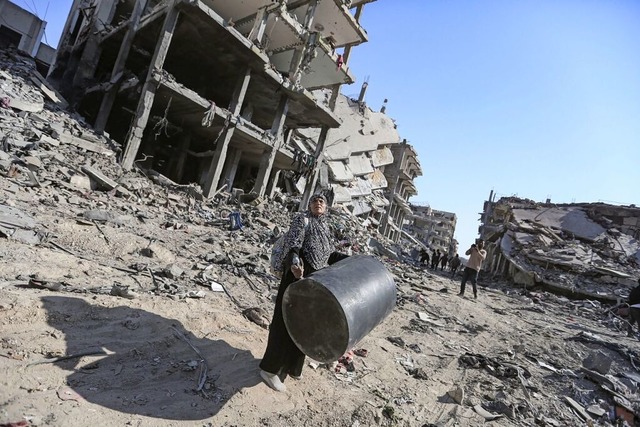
(127, 299)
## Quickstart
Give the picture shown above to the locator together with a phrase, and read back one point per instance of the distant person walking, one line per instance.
(443, 262)
(424, 257)
(477, 254)
(435, 257)
(454, 265)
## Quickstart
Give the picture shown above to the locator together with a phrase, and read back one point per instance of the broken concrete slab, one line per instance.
(18, 225)
(85, 145)
(81, 181)
(104, 181)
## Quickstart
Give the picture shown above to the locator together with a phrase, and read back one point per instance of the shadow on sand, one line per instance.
(149, 369)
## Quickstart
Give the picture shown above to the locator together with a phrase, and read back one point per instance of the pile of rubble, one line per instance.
(52, 158)
(579, 250)
(137, 232)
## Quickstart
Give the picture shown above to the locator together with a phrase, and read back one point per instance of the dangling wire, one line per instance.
(163, 123)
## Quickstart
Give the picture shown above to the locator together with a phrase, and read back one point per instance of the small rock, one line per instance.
(457, 394)
(598, 361)
(173, 271)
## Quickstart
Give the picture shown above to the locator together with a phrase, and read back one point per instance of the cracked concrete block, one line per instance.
(81, 181)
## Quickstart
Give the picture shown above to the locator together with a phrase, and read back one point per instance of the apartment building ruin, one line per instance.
(216, 92)
(399, 175)
(434, 228)
(579, 249)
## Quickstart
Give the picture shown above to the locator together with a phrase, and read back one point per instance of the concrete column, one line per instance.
(257, 32)
(273, 183)
(266, 164)
(118, 67)
(220, 153)
(311, 11)
(149, 89)
(231, 167)
(102, 14)
(324, 133)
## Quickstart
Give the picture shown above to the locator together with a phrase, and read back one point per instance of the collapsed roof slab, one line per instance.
(340, 172)
(360, 165)
(569, 219)
(382, 157)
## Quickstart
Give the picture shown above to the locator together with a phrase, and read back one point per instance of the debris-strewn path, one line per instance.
(126, 300)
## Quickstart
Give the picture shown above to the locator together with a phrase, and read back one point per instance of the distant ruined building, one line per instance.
(434, 228)
(580, 250)
(238, 94)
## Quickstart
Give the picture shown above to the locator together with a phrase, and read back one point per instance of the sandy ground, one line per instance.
(516, 354)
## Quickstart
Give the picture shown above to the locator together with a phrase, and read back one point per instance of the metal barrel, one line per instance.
(330, 311)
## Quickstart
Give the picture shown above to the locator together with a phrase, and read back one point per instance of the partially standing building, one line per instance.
(400, 176)
(434, 228)
(211, 91)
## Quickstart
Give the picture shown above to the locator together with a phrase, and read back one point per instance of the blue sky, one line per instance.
(535, 98)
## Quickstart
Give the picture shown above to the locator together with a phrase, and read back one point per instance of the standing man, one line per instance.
(424, 257)
(477, 254)
(435, 259)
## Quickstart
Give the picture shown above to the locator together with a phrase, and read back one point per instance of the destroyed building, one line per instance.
(358, 158)
(214, 92)
(399, 176)
(586, 250)
(23, 30)
(434, 228)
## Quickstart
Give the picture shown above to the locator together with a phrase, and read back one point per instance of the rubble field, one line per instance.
(127, 299)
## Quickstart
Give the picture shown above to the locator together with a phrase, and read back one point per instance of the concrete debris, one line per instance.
(581, 250)
(598, 361)
(457, 394)
(18, 225)
(173, 246)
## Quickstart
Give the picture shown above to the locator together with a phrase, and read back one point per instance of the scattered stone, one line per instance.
(173, 272)
(598, 361)
(457, 394)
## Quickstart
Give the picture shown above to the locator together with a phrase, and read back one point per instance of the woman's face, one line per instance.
(318, 206)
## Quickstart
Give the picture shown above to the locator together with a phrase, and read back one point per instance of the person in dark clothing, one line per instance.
(454, 265)
(435, 258)
(443, 261)
(309, 248)
(424, 257)
(634, 309)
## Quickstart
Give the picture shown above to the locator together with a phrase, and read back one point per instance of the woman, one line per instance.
(311, 249)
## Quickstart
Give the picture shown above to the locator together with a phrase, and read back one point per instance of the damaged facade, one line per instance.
(212, 91)
(400, 176)
(365, 165)
(434, 228)
(580, 249)
(23, 30)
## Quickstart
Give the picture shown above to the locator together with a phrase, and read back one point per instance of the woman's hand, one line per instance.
(297, 271)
